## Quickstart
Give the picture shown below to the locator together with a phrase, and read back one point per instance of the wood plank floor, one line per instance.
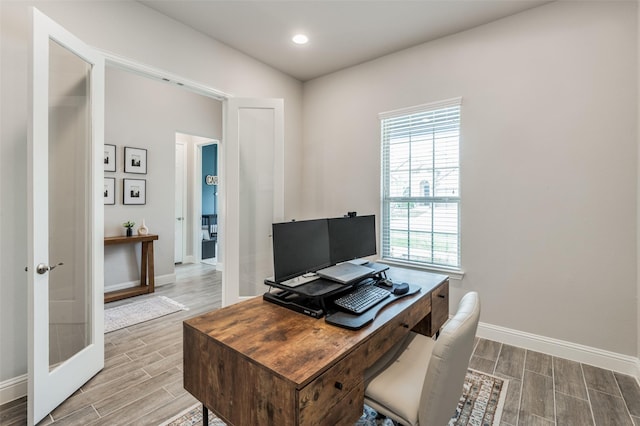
(546, 390)
(141, 383)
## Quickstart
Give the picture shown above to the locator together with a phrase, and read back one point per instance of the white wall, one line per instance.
(548, 157)
(131, 30)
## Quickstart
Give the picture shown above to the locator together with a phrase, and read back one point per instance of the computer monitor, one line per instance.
(352, 237)
(299, 247)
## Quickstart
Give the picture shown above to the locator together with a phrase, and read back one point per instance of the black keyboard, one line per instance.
(362, 298)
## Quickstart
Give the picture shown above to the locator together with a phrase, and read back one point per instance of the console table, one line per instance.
(147, 274)
(257, 363)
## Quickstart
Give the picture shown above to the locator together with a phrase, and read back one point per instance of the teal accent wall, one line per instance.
(209, 167)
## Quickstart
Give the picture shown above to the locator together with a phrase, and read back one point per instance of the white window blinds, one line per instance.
(421, 184)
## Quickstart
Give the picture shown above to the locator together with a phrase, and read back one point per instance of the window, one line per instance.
(421, 184)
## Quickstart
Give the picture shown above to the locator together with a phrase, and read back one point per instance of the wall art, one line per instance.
(134, 191)
(109, 192)
(109, 158)
(135, 160)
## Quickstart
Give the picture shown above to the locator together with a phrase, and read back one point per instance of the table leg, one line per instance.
(152, 274)
(205, 416)
(144, 260)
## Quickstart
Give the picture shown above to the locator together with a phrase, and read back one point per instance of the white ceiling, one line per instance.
(342, 33)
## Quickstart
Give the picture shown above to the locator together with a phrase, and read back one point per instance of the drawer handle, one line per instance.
(405, 325)
(441, 296)
(338, 385)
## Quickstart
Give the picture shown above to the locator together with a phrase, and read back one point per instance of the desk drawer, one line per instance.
(338, 392)
(439, 314)
(439, 307)
(394, 331)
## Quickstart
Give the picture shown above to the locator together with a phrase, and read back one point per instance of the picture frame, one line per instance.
(109, 192)
(135, 160)
(134, 191)
(109, 158)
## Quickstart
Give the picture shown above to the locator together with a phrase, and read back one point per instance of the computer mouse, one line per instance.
(400, 288)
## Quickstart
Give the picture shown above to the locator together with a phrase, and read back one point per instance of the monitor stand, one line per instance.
(295, 302)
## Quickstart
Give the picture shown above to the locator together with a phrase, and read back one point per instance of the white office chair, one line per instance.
(420, 380)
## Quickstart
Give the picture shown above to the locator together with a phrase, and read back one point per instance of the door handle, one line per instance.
(179, 218)
(42, 268)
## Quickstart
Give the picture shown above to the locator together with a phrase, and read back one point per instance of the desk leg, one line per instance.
(205, 416)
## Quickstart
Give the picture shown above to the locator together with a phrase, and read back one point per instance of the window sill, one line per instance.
(456, 274)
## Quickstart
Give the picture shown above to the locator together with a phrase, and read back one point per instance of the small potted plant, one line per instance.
(129, 225)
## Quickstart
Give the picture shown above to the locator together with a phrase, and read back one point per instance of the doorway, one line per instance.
(208, 160)
(251, 194)
(196, 200)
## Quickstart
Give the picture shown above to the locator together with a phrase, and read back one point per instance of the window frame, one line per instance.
(387, 200)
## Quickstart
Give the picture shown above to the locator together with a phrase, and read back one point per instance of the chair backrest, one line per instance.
(449, 363)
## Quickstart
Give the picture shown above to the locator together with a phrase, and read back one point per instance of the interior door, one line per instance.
(179, 203)
(254, 193)
(65, 223)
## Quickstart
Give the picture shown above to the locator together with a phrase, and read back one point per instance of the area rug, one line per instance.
(482, 400)
(481, 404)
(139, 311)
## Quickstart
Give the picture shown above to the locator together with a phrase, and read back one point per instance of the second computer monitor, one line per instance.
(352, 238)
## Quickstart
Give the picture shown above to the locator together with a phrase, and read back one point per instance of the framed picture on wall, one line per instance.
(109, 158)
(109, 193)
(135, 160)
(134, 191)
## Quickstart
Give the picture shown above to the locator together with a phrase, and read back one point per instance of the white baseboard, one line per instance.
(572, 351)
(160, 281)
(189, 259)
(12, 389)
(165, 279)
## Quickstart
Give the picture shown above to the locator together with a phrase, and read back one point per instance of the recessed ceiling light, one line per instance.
(300, 39)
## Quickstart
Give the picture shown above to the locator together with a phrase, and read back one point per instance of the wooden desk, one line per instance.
(256, 363)
(147, 274)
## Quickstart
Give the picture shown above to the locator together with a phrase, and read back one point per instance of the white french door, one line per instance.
(65, 223)
(254, 193)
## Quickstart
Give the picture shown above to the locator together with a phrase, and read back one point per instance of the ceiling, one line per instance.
(342, 33)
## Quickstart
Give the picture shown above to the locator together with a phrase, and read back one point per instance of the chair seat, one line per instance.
(395, 391)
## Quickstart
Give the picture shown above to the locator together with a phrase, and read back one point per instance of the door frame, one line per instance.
(125, 64)
(230, 284)
(167, 77)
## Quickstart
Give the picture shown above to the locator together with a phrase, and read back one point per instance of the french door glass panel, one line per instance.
(256, 148)
(252, 194)
(69, 193)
